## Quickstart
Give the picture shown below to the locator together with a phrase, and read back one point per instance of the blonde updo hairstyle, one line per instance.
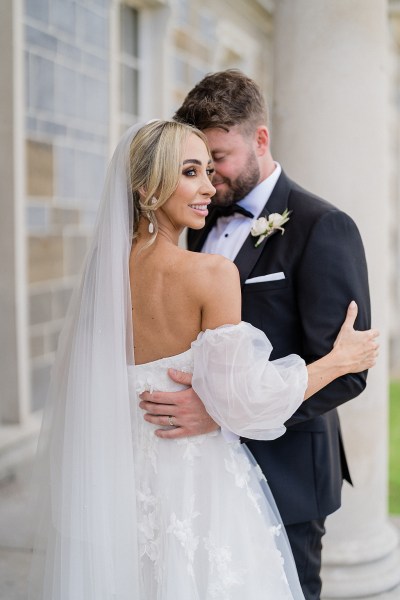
(156, 166)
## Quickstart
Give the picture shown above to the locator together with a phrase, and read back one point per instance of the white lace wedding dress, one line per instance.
(208, 527)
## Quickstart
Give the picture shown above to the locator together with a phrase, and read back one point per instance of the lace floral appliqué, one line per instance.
(149, 538)
(223, 576)
(191, 447)
(240, 467)
(183, 531)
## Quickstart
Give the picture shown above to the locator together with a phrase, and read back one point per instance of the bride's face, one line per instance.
(187, 207)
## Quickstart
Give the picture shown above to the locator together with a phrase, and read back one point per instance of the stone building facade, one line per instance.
(78, 72)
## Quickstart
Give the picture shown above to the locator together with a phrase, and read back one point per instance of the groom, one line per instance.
(295, 287)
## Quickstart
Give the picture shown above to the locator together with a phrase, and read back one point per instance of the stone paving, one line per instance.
(15, 534)
(16, 537)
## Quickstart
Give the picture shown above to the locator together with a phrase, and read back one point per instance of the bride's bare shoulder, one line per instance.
(213, 264)
(215, 284)
(211, 283)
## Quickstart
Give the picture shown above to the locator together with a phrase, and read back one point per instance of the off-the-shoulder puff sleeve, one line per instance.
(242, 390)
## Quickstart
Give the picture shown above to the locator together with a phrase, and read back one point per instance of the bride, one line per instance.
(126, 515)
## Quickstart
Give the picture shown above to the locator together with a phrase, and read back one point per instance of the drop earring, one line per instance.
(151, 224)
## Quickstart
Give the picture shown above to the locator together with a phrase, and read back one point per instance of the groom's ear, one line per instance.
(262, 140)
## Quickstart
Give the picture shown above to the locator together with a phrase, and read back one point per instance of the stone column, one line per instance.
(330, 133)
(13, 318)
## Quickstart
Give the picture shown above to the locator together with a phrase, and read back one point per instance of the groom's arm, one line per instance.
(331, 273)
(185, 407)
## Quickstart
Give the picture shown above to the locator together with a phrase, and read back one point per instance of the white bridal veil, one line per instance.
(86, 548)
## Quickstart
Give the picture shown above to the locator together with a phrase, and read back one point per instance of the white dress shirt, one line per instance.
(229, 233)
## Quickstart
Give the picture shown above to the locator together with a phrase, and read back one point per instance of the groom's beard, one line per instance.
(241, 186)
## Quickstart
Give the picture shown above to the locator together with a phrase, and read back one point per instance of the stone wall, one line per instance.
(67, 69)
(209, 36)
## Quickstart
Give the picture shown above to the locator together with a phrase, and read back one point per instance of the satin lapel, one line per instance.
(248, 254)
(197, 238)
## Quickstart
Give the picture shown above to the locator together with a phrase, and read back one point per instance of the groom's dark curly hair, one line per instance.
(224, 99)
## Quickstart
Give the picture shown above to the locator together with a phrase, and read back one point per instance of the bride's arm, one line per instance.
(242, 389)
(353, 351)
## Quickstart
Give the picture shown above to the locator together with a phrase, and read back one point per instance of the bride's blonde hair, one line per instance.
(156, 166)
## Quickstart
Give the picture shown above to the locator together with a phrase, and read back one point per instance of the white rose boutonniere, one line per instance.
(264, 227)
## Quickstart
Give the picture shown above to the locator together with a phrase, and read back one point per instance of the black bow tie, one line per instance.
(228, 211)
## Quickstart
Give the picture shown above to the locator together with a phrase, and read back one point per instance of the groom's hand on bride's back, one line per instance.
(184, 410)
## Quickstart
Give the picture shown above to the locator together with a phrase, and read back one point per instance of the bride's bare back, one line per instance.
(175, 295)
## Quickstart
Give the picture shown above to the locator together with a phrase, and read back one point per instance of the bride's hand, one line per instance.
(355, 351)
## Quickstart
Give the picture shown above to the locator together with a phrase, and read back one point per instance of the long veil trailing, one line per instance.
(86, 548)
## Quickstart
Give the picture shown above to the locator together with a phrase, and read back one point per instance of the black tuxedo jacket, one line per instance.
(322, 257)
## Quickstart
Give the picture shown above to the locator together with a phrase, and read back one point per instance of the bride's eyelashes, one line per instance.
(193, 171)
(190, 172)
